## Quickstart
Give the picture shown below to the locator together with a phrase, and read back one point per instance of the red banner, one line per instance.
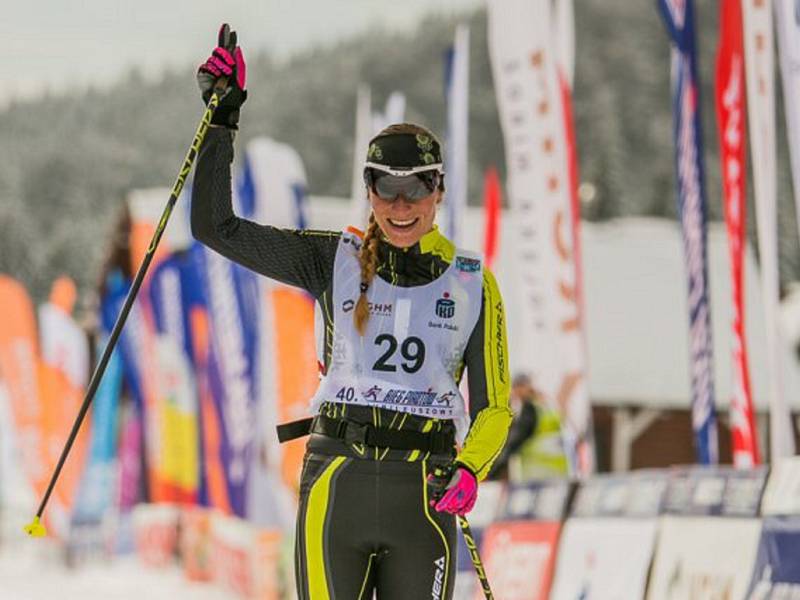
(491, 207)
(730, 101)
(520, 558)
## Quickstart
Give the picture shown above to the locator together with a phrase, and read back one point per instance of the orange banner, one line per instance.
(297, 373)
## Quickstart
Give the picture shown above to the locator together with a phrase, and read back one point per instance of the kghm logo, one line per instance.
(445, 307)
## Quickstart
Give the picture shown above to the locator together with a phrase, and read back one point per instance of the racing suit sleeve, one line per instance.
(486, 360)
(301, 258)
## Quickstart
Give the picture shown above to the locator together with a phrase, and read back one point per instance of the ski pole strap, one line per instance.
(353, 432)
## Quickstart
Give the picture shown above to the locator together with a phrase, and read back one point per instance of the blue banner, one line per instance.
(776, 573)
(231, 292)
(679, 20)
(96, 493)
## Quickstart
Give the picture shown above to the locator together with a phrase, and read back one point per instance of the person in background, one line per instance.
(534, 448)
(394, 453)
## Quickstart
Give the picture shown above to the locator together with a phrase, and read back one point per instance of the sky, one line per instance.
(58, 45)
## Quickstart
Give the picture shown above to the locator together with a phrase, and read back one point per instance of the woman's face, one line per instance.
(404, 222)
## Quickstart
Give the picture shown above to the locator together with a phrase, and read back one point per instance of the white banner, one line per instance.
(703, 558)
(279, 181)
(457, 150)
(787, 20)
(759, 67)
(589, 565)
(782, 494)
(529, 97)
(363, 133)
(565, 38)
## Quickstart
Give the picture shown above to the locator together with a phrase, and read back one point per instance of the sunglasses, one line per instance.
(413, 187)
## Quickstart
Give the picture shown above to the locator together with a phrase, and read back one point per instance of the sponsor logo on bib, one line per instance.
(445, 307)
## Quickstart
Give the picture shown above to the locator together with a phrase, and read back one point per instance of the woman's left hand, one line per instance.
(457, 494)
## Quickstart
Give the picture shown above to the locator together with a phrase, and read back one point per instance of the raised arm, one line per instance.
(302, 258)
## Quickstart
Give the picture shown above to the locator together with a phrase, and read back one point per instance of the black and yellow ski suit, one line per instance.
(364, 521)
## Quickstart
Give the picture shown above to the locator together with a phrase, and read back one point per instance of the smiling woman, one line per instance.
(394, 451)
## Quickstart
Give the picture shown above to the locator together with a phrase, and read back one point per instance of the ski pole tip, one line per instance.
(35, 528)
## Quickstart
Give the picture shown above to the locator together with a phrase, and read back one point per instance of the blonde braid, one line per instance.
(368, 259)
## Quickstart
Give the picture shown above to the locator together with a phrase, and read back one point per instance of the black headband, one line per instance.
(405, 151)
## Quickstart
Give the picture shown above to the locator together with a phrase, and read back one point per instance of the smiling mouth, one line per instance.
(407, 224)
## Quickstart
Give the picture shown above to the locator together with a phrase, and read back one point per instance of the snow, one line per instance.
(32, 569)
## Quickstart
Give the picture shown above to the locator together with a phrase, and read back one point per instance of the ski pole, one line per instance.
(36, 528)
(476, 558)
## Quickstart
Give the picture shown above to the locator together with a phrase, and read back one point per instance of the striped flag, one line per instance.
(731, 118)
(679, 20)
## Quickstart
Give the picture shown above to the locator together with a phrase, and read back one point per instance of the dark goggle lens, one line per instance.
(411, 187)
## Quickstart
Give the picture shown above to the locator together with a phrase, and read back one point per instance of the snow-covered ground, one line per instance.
(30, 569)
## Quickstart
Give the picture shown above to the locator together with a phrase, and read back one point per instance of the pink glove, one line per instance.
(459, 495)
(225, 61)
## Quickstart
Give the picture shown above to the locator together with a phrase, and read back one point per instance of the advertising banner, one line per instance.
(96, 493)
(776, 574)
(698, 558)
(719, 491)
(456, 81)
(636, 494)
(246, 558)
(541, 500)
(760, 76)
(519, 557)
(787, 22)
(782, 495)
(530, 98)
(173, 291)
(589, 565)
(679, 21)
(231, 369)
(26, 382)
(730, 101)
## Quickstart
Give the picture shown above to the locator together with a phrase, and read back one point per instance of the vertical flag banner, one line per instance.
(787, 21)
(131, 447)
(679, 20)
(730, 102)
(457, 157)
(178, 466)
(64, 374)
(491, 215)
(231, 334)
(272, 186)
(565, 38)
(98, 484)
(287, 374)
(363, 133)
(759, 69)
(154, 369)
(530, 97)
(20, 371)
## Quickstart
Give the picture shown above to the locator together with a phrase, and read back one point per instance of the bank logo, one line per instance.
(468, 265)
(445, 307)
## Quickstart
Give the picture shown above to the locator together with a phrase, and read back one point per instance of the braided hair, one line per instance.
(368, 259)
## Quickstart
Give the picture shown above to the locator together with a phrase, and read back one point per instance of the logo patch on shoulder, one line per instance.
(468, 265)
